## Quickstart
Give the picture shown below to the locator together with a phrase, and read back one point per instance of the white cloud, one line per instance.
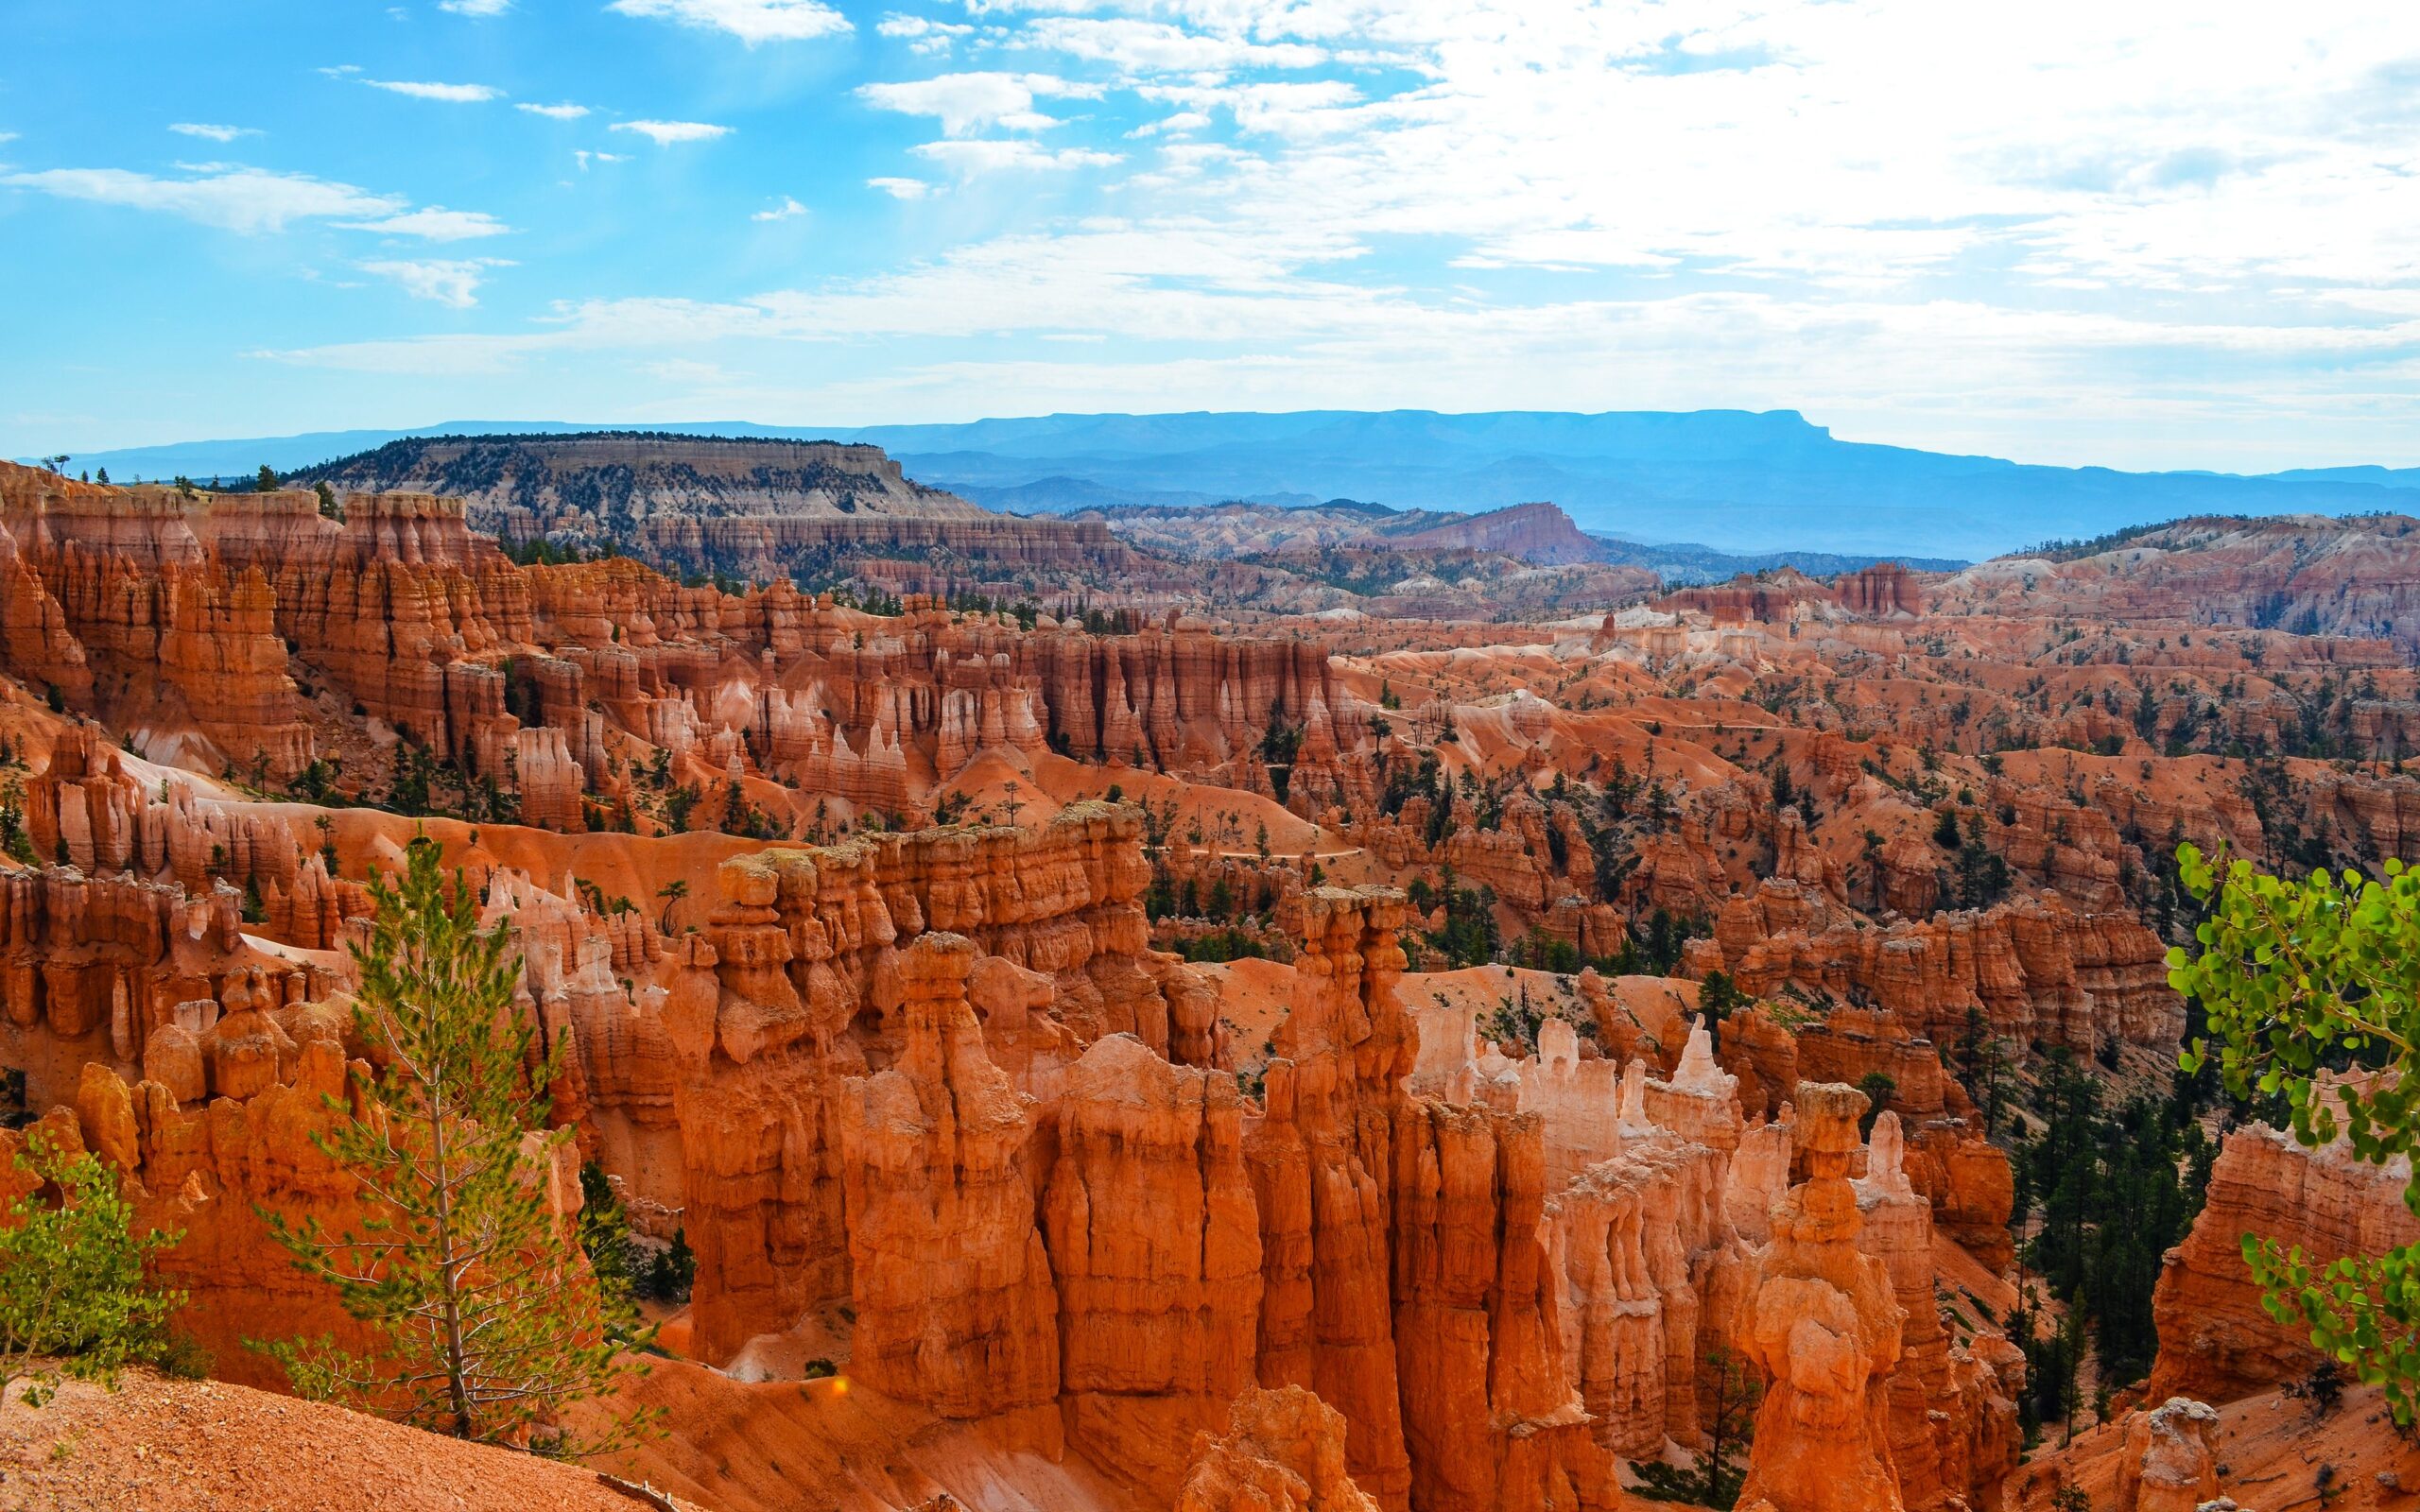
(1182, 121)
(255, 200)
(8, 136)
(991, 155)
(663, 133)
(1156, 48)
(215, 134)
(584, 156)
(437, 224)
(455, 283)
(450, 94)
(751, 21)
(1869, 143)
(924, 37)
(966, 103)
(1283, 293)
(475, 7)
(785, 210)
(555, 112)
(901, 188)
(250, 200)
(1311, 108)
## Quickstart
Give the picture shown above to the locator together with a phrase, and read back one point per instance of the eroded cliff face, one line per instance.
(1154, 1233)
(1537, 533)
(1283, 1451)
(247, 633)
(2039, 972)
(2215, 1340)
(90, 810)
(1663, 1209)
(2349, 577)
(930, 1103)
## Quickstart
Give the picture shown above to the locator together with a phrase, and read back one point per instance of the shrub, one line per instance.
(72, 1277)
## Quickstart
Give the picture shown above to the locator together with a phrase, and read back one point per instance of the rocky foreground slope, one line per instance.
(158, 1445)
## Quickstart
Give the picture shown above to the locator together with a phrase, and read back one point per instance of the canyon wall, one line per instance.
(248, 634)
(2217, 1342)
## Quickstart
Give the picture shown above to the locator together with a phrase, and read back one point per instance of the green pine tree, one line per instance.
(605, 1238)
(488, 1319)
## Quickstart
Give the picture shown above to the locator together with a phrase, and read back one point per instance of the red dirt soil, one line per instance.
(205, 1446)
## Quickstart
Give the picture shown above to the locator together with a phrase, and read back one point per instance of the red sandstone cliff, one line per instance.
(2215, 1340)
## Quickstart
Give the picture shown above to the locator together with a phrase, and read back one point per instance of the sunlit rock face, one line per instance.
(2217, 1342)
(1822, 1321)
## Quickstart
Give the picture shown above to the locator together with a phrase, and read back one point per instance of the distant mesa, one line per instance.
(755, 508)
(513, 484)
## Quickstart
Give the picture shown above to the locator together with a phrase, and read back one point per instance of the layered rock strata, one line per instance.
(2217, 1342)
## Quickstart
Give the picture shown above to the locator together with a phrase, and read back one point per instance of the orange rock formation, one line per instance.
(1821, 1320)
(2215, 1340)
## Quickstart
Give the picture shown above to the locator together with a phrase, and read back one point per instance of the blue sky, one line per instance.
(2149, 236)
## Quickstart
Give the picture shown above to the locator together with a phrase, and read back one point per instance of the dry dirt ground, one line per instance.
(160, 1445)
(833, 1446)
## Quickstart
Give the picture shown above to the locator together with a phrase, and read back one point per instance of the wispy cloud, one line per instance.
(249, 200)
(256, 201)
(788, 209)
(991, 155)
(966, 103)
(213, 133)
(1136, 46)
(584, 156)
(663, 133)
(901, 188)
(454, 284)
(450, 94)
(1177, 125)
(565, 111)
(751, 21)
(475, 7)
(437, 224)
(924, 36)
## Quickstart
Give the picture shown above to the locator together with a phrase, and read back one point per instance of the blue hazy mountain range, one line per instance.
(1730, 479)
